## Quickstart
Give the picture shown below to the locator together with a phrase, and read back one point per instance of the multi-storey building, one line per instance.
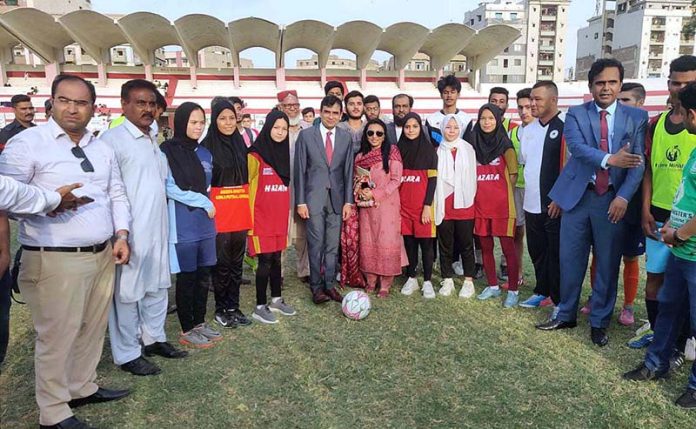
(645, 35)
(538, 52)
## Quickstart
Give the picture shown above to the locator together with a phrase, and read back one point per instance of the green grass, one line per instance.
(412, 363)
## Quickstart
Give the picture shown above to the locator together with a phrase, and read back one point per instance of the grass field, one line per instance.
(445, 363)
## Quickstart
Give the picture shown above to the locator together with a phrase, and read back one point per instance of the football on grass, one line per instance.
(356, 305)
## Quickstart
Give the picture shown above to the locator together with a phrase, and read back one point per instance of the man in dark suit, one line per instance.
(401, 106)
(323, 194)
(606, 140)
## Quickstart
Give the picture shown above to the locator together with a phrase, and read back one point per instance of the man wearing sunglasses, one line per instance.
(68, 260)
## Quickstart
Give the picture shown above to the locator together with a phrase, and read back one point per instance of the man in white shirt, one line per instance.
(68, 262)
(141, 291)
(449, 88)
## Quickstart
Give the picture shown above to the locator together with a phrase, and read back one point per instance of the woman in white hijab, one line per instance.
(454, 204)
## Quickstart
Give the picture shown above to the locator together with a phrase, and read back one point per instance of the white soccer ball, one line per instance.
(356, 305)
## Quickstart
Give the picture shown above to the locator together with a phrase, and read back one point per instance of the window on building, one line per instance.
(479, 17)
(499, 15)
(518, 62)
(596, 36)
(471, 22)
(505, 63)
(506, 50)
(513, 15)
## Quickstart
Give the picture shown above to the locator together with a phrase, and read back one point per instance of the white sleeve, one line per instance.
(19, 198)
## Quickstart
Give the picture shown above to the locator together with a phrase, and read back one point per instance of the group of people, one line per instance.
(359, 196)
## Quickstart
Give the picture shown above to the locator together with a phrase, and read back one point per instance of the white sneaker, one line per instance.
(458, 268)
(447, 287)
(467, 290)
(410, 286)
(428, 291)
(690, 349)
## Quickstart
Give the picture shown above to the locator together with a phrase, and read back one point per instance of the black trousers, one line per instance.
(450, 232)
(192, 297)
(268, 269)
(227, 274)
(543, 244)
(426, 245)
(5, 303)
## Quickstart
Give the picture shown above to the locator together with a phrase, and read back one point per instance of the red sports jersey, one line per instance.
(232, 212)
(270, 205)
(414, 184)
(494, 198)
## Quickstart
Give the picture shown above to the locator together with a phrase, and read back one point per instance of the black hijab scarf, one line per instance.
(275, 154)
(488, 146)
(181, 152)
(417, 154)
(229, 152)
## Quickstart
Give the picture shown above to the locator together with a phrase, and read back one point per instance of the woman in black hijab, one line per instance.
(494, 202)
(230, 194)
(269, 178)
(191, 167)
(417, 191)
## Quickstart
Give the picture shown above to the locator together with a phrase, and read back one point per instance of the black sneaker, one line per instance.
(237, 318)
(642, 373)
(222, 320)
(503, 273)
(688, 399)
(478, 271)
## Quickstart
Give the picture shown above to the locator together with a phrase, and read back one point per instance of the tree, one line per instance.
(690, 27)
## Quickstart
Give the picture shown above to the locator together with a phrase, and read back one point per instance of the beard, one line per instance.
(399, 121)
(295, 121)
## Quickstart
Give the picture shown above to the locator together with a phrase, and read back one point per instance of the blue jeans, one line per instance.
(677, 300)
(5, 302)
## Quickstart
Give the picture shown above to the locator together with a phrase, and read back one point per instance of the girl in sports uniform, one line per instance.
(269, 199)
(417, 190)
(494, 201)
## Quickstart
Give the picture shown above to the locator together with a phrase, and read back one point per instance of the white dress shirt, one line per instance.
(16, 197)
(323, 130)
(611, 113)
(42, 156)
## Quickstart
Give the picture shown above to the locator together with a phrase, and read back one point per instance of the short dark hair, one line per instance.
(71, 77)
(402, 95)
(499, 90)
(636, 88)
(134, 84)
(19, 98)
(308, 110)
(687, 96)
(548, 84)
(685, 63)
(604, 63)
(160, 100)
(236, 100)
(331, 85)
(246, 116)
(371, 99)
(524, 93)
(329, 101)
(449, 80)
(353, 94)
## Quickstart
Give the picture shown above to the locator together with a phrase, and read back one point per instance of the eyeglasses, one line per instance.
(371, 133)
(86, 165)
(291, 105)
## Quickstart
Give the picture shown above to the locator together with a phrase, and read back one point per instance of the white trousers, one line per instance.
(131, 323)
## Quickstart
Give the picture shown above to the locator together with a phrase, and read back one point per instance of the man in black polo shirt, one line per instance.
(24, 115)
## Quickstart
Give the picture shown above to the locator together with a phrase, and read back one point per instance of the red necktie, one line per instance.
(329, 147)
(602, 179)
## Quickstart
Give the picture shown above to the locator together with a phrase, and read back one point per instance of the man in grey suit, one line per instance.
(401, 106)
(324, 194)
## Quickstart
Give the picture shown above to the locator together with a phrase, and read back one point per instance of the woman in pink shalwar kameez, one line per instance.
(378, 170)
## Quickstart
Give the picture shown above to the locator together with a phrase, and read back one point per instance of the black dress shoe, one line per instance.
(101, 395)
(334, 294)
(687, 399)
(165, 349)
(141, 366)
(236, 317)
(69, 423)
(599, 336)
(642, 373)
(556, 324)
(319, 297)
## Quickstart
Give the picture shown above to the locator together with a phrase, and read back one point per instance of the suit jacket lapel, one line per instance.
(594, 121)
(619, 128)
(320, 143)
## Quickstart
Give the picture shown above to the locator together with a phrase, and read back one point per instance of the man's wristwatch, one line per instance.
(122, 237)
(677, 241)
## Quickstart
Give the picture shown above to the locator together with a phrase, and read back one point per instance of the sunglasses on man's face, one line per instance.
(371, 133)
(86, 165)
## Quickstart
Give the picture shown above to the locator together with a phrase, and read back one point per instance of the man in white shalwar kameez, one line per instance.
(141, 291)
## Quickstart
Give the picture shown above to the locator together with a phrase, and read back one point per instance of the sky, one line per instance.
(428, 13)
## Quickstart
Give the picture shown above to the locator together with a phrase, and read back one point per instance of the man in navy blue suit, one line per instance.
(606, 141)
